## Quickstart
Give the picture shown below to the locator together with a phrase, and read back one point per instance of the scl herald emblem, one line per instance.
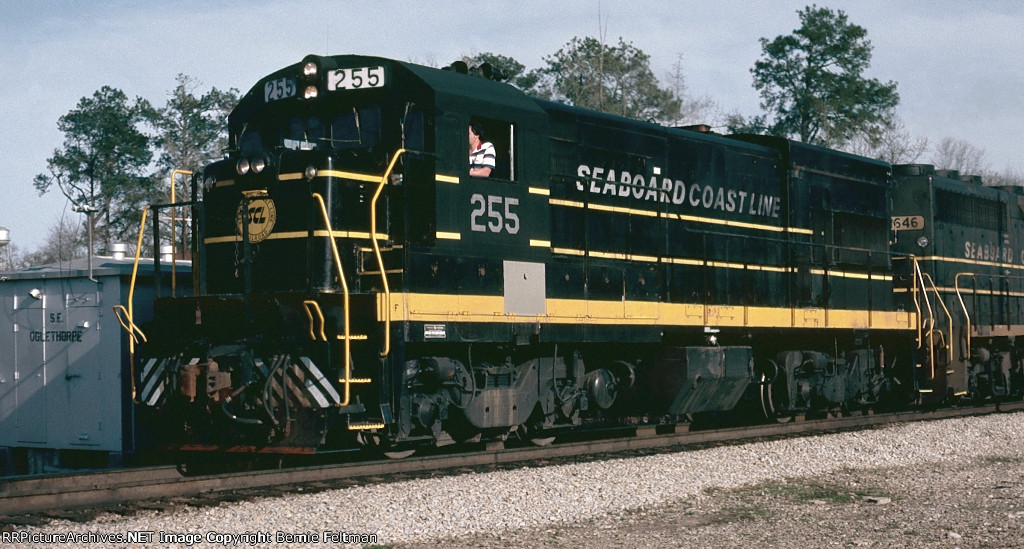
(261, 217)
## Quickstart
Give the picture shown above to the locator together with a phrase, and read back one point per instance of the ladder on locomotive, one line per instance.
(936, 343)
(315, 315)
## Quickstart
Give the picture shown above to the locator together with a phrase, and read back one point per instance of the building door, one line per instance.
(30, 372)
(92, 375)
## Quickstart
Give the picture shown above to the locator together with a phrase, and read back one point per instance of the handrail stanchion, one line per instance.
(963, 307)
(376, 252)
(344, 288)
(174, 292)
(129, 323)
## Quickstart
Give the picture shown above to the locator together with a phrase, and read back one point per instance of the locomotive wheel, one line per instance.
(774, 394)
(372, 442)
(524, 433)
(399, 454)
(471, 440)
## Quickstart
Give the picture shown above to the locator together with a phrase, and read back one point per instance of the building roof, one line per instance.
(101, 266)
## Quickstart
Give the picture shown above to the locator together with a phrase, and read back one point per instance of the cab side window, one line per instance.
(501, 135)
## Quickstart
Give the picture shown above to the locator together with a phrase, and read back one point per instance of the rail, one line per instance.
(376, 251)
(121, 313)
(915, 291)
(963, 307)
(128, 322)
(125, 314)
(1005, 292)
(312, 306)
(949, 320)
(135, 272)
(34, 495)
(347, 380)
(926, 326)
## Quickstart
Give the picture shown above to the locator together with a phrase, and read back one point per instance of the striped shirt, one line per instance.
(483, 157)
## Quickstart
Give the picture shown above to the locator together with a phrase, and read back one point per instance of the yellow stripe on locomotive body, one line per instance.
(369, 178)
(872, 276)
(678, 216)
(296, 176)
(969, 291)
(972, 262)
(319, 233)
(421, 307)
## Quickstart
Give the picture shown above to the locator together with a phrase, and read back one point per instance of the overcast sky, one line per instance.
(959, 64)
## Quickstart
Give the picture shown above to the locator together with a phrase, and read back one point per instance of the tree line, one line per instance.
(118, 153)
(116, 158)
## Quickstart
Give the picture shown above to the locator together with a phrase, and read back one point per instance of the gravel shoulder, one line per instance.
(975, 504)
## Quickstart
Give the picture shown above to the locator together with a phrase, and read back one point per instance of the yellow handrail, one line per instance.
(917, 275)
(928, 284)
(949, 318)
(135, 272)
(963, 307)
(347, 380)
(129, 323)
(135, 268)
(376, 252)
(132, 329)
(310, 306)
(122, 318)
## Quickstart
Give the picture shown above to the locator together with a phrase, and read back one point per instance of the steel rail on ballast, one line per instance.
(24, 496)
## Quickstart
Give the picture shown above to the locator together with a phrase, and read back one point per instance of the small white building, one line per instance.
(65, 383)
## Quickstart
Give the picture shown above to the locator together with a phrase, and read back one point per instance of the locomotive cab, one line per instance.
(345, 188)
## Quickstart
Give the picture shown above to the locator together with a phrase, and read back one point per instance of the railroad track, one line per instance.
(20, 496)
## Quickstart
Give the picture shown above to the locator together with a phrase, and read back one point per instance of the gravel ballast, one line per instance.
(849, 489)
